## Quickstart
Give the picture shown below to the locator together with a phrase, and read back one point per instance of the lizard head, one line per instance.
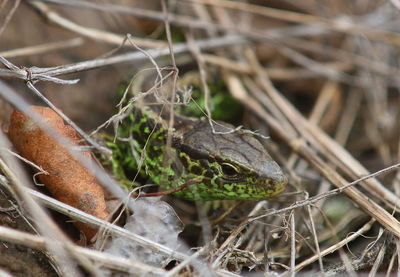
(232, 165)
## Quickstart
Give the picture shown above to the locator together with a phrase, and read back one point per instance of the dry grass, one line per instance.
(321, 77)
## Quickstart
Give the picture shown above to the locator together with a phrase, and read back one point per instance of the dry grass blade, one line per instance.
(43, 48)
(36, 74)
(46, 226)
(301, 148)
(336, 246)
(336, 25)
(99, 35)
(41, 243)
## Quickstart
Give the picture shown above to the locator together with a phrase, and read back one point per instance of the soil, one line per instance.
(19, 260)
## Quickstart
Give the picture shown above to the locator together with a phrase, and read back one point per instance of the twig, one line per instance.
(41, 73)
(374, 65)
(314, 66)
(339, 24)
(38, 168)
(275, 73)
(46, 226)
(335, 247)
(99, 147)
(292, 243)
(95, 34)
(314, 234)
(322, 142)
(299, 146)
(239, 229)
(42, 48)
(330, 193)
(9, 16)
(107, 260)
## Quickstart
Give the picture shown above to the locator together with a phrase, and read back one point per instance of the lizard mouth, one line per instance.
(272, 186)
(232, 180)
(279, 184)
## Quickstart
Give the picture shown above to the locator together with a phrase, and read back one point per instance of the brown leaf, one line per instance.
(68, 180)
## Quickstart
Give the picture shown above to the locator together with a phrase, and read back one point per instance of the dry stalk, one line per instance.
(336, 246)
(289, 16)
(327, 146)
(44, 224)
(42, 48)
(104, 259)
(94, 34)
(304, 150)
(44, 74)
(9, 15)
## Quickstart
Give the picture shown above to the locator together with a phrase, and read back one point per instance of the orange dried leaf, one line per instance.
(68, 180)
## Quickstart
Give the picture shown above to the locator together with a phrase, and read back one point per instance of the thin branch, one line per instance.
(336, 246)
(338, 25)
(330, 193)
(9, 16)
(37, 74)
(95, 34)
(42, 48)
(83, 134)
(104, 259)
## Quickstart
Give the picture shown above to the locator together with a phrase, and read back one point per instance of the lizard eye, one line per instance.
(229, 170)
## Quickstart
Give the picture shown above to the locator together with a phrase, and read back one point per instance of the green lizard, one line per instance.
(230, 166)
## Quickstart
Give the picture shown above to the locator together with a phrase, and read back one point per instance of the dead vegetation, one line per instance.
(320, 77)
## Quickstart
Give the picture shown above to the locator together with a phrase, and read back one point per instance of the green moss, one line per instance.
(222, 105)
